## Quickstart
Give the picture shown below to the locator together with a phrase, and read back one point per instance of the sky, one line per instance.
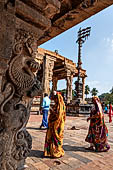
(97, 51)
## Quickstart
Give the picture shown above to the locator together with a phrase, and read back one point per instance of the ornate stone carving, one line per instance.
(23, 145)
(54, 83)
(52, 7)
(50, 69)
(11, 2)
(88, 3)
(18, 83)
(69, 68)
(69, 87)
(48, 65)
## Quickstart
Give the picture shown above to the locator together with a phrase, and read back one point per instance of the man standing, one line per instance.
(45, 108)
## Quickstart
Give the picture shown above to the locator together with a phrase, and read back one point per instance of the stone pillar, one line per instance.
(18, 83)
(67, 91)
(48, 65)
(83, 93)
(21, 26)
(7, 33)
(71, 80)
(45, 80)
(69, 87)
(54, 84)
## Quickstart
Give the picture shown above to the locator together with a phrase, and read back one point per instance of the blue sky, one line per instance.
(97, 51)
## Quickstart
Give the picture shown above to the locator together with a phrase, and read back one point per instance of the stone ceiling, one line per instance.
(49, 18)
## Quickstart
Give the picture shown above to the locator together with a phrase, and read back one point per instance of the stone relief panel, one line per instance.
(52, 7)
(18, 83)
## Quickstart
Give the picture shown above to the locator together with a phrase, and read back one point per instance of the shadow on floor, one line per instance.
(36, 153)
(75, 148)
(33, 128)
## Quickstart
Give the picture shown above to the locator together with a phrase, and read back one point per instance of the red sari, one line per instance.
(98, 132)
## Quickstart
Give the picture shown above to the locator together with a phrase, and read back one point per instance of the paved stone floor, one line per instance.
(76, 157)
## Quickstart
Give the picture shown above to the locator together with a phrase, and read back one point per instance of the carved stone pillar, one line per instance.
(67, 91)
(7, 32)
(71, 80)
(69, 87)
(21, 26)
(54, 84)
(45, 81)
(48, 65)
(18, 84)
(83, 93)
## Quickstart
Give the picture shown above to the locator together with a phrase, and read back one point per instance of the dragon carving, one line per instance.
(19, 82)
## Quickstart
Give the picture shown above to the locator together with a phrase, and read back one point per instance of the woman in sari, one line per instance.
(97, 135)
(54, 136)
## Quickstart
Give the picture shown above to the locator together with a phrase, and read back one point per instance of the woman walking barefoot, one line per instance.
(54, 136)
(97, 134)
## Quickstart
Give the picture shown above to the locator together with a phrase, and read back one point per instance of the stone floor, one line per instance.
(76, 157)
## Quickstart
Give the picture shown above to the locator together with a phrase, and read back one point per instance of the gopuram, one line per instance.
(25, 24)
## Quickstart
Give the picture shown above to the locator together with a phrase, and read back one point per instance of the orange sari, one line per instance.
(54, 135)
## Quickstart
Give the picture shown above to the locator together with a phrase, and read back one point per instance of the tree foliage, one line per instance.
(106, 97)
(87, 90)
(94, 92)
(111, 91)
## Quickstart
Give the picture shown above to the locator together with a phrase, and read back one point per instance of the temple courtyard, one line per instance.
(76, 156)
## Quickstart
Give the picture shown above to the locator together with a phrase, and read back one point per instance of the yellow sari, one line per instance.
(54, 135)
